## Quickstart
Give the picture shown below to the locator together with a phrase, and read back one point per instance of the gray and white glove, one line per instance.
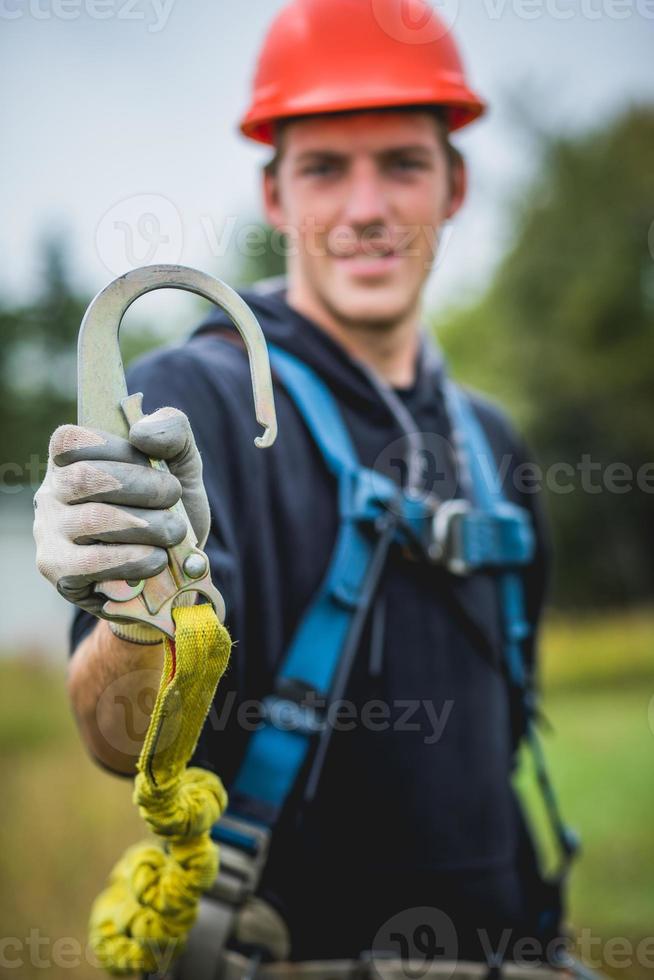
(101, 512)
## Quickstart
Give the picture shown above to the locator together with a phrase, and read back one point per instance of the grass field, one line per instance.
(65, 821)
(598, 681)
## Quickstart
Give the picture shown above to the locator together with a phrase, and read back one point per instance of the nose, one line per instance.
(366, 203)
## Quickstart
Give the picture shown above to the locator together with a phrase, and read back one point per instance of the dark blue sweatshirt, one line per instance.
(414, 804)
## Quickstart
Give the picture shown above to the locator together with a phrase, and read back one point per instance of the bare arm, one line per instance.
(112, 685)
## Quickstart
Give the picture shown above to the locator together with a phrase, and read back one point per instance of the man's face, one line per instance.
(364, 196)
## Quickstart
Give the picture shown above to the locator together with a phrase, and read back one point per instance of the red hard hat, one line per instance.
(338, 55)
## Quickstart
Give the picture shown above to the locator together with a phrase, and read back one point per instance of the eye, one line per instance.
(408, 164)
(320, 168)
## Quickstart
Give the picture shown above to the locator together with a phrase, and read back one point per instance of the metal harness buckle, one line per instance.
(447, 545)
(243, 853)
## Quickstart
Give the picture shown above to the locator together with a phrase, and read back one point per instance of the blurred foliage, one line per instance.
(564, 338)
(38, 365)
(599, 738)
(260, 253)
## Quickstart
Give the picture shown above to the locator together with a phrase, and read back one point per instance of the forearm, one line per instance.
(112, 686)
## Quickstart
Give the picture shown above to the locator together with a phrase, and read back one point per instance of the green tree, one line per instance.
(258, 252)
(564, 337)
(38, 366)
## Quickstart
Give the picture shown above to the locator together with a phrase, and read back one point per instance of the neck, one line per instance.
(390, 350)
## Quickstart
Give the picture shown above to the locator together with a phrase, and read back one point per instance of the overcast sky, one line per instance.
(119, 116)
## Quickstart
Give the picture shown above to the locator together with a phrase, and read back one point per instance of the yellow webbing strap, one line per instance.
(140, 921)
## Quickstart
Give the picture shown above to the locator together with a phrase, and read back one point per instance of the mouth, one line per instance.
(369, 264)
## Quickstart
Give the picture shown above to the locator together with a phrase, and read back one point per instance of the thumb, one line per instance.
(166, 434)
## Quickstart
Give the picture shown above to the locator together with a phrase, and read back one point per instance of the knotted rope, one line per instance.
(139, 923)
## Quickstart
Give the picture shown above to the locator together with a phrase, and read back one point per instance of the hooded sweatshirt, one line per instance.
(414, 805)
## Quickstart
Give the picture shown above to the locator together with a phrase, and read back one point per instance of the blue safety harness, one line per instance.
(464, 536)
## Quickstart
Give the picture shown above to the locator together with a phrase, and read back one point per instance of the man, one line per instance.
(414, 806)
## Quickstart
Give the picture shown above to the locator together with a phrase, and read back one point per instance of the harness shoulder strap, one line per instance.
(277, 751)
(318, 409)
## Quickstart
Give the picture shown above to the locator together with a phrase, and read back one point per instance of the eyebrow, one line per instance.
(335, 157)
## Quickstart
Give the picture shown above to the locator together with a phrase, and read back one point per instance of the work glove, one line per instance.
(101, 512)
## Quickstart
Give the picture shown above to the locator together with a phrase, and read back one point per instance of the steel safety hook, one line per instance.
(103, 403)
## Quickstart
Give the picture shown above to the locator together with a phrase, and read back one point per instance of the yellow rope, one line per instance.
(139, 923)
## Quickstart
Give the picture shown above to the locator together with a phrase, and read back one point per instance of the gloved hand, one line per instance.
(101, 511)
